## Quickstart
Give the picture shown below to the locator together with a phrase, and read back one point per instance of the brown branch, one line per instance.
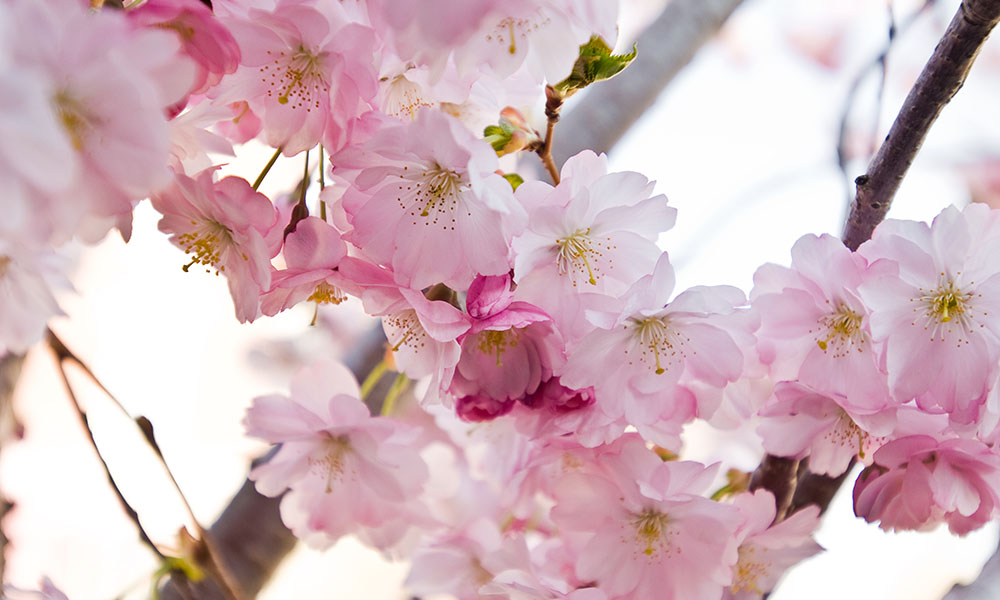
(779, 475)
(249, 534)
(942, 77)
(610, 108)
(553, 104)
(816, 489)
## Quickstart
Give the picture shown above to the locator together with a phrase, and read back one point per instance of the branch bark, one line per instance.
(249, 535)
(609, 109)
(942, 77)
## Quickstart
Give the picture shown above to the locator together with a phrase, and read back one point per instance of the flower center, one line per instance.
(4, 262)
(297, 78)
(404, 98)
(407, 326)
(497, 342)
(846, 434)
(507, 30)
(749, 568)
(843, 331)
(652, 531)
(333, 462)
(574, 253)
(205, 244)
(327, 294)
(946, 308)
(657, 340)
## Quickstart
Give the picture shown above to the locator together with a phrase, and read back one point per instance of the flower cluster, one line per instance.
(558, 364)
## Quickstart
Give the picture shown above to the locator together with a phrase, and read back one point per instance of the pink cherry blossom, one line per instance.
(635, 360)
(801, 422)
(346, 472)
(123, 153)
(423, 334)
(225, 226)
(511, 346)
(203, 38)
(306, 71)
(461, 563)
(937, 313)
(428, 203)
(814, 326)
(650, 533)
(916, 482)
(595, 233)
(312, 253)
(767, 550)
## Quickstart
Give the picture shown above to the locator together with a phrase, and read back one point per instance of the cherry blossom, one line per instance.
(936, 312)
(312, 253)
(594, 233)
(916, 482)
(427, 202)
(814, 326)
(225, 226)
(650, 533)
(27, 277)
(802, 422)
(511, 346)
(636, 360)
(306, 71)
(346, 472)
(767, 549)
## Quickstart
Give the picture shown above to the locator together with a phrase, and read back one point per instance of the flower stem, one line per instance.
(267, 167)
(373, 377)
(398, 386)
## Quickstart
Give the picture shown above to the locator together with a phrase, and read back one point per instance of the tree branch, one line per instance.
(942, 77)
(609, 109)
(940, 80)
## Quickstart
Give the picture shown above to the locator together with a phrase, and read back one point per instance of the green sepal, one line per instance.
(595, 63)
(498, 136)
(514, 180)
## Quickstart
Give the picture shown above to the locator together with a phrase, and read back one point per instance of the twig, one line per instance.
(266, 169)
(129, 511)
(880, 63)
(942, 77)
(553, 103)
(213, 564)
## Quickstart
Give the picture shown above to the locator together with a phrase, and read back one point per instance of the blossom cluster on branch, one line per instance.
(556, 364)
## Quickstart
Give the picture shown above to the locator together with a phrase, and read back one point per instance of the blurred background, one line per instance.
(744, 142)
